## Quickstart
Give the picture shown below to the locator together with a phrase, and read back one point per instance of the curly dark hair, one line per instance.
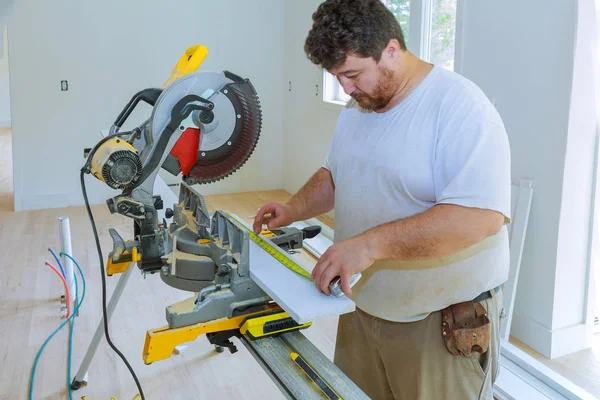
(340, 27)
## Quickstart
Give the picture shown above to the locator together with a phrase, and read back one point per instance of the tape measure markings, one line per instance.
(274, 251)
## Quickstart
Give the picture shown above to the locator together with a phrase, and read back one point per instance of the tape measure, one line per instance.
(273, 250)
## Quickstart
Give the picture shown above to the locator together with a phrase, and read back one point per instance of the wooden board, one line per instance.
(294, 293)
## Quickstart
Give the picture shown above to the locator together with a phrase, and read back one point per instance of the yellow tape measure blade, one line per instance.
(273, 250)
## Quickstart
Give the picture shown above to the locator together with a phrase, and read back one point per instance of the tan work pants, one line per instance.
(409, 361)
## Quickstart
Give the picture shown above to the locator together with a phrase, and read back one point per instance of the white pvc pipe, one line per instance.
(65, 246)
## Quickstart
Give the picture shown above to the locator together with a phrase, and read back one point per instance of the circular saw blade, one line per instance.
(219, 162)
(228, 141)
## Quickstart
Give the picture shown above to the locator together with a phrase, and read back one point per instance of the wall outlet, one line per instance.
(64, 86)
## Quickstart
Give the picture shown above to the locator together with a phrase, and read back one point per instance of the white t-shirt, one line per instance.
(444, 144)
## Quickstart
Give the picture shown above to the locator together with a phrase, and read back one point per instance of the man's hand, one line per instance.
(342, 259)
(280, 215)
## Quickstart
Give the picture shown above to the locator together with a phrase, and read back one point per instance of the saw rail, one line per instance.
(273, 354)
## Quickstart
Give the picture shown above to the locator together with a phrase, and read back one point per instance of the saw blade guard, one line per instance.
(227, 135)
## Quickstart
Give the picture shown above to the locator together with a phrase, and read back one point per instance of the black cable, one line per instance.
(102, 274)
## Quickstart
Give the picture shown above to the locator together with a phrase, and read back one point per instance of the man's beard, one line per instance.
(383, 93)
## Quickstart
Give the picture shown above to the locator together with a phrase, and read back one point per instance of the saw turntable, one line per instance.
(203, 127)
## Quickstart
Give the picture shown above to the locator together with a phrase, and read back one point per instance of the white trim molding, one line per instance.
(552, 343)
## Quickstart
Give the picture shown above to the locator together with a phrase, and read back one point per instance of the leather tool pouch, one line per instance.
(466, 328)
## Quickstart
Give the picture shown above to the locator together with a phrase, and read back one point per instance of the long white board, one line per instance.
(296, 294)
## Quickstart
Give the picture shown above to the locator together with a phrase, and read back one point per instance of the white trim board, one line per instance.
(296, 294)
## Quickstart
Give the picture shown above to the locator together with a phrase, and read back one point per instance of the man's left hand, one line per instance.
(342, 259)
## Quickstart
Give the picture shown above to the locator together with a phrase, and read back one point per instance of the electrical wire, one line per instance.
(64, 281)
(103, 276)
(37, 358)
(70, 356)
(58, 262)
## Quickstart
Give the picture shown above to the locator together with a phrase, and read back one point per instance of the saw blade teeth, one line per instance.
(214, 170)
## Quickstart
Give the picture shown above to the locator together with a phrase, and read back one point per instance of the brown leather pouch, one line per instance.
(466, 328)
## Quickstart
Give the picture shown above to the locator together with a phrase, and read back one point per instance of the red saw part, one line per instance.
(212, 169)
(186, 149)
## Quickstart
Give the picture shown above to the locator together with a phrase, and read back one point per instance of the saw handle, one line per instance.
(149, 96)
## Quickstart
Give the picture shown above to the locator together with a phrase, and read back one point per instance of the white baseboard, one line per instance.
(571, 339)
(532, 333)
(43, 201)
(551, 343)
(5, 123)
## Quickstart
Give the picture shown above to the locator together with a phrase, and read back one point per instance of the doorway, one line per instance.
(6, 160)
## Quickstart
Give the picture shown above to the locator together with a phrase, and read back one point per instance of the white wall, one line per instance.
(4, 79)
(309, 125)
(523, 59)
(108, 51)
(577, 194)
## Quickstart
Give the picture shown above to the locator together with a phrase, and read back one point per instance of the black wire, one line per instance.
(102, 274)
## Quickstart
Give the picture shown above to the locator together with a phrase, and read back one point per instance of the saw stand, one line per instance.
(80, 379)
(272, 353)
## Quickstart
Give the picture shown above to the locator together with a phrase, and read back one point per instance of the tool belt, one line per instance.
(466, 327)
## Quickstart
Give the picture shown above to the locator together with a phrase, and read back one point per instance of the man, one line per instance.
(419, 173)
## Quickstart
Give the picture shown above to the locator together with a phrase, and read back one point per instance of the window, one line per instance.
(429, 28)
(401, 10)
(443, 30)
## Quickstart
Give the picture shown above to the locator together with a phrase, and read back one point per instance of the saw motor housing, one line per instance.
(117, 164)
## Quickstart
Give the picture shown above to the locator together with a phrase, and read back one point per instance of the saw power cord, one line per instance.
(70, 318)
(103, 275)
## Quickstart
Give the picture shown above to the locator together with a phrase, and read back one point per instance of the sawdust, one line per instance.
(184, 306)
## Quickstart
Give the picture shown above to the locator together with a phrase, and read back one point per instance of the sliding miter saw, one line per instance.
(204, 126)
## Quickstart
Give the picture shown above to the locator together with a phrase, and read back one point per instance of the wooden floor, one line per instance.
(29, 312)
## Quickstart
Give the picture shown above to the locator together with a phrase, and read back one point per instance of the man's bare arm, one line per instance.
(316, 197)
(442, 230)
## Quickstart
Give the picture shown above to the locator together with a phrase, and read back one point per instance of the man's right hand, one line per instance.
(280, 215)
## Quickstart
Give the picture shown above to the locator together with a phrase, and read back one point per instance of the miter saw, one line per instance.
(204, 126)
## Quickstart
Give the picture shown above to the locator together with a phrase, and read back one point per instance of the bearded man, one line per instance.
(419, 174)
